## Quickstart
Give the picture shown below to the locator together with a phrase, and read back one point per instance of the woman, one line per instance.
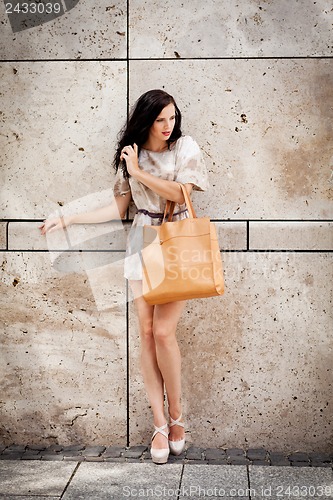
(151, 159)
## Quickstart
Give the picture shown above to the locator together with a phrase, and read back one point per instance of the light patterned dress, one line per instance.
(183, 162)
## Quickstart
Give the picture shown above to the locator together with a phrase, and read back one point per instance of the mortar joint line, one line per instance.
(148, 59)
(70, 479)
(180, 481)
(7, 236)
(248, 482)
(127, 216)
(247, 235)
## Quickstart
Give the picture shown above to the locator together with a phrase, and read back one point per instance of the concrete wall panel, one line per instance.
(257, 369)
(291, 235)
(63, 366)
(3, 226)
(254, 83)
(61, 120)
(218, 28)
(264, 127)
(88, 31)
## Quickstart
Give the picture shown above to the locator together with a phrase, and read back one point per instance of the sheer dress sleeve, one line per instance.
(190, 165)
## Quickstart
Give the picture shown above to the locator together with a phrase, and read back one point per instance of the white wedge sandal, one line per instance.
(177, 447)
(160, 456)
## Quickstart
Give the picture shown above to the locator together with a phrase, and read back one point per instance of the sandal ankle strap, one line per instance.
(161, 431)
(176, 422)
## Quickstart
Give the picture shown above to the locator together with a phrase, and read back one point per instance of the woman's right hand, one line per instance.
(51, 225)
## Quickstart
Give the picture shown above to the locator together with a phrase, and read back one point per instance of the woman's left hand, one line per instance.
(130, 155)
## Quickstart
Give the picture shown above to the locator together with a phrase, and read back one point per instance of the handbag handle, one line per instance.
(170, 205)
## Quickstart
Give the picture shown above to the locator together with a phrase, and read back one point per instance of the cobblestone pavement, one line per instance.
(193, 455)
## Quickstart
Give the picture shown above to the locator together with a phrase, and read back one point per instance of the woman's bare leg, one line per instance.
(150, 371)
(160, 358)
(165, 320)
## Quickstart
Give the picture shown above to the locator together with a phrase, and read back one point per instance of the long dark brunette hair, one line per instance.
(144, 113)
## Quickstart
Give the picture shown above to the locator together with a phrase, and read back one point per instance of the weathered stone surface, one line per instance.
(256, 362)
(115, 481)
(248, 363)
(265, 130)
(222, 29)
(231, 235)
(3, 235)
(224, 480)
(110, 236)
(291, 235)
(40, 478)
(61, 122)
(85, 31)
(194, 453)
(306, 482)
(64, 369)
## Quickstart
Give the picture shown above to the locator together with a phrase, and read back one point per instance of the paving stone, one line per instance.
(146, 456)
(300, 464)
(135, 451)
(194, 453)
(115, 460)
(28, 451)
(34, 477)
(94, 459)
(201, 462)
(37, 447)
(279, 459)
(215, 454)
(238, 460)
(15, 447)
(292, 482)
(54, 447)
(235, 452)
(261, 462)
(112, 479)
(71, 454)
(93, 451)
(31, 456)
(321, 464)
(220, 461)
(113, 452)
(256, 453)
(223, 478)
(2, 448)
(52, 456)
(74, 447)
(176, 458)
(298, 457)
(11, 456)
(280, 462)
(74, 458)
(319, 458)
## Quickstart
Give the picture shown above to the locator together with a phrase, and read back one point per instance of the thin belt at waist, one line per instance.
(155, 215)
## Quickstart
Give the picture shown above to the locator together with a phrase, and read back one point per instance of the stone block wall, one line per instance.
(254, 82)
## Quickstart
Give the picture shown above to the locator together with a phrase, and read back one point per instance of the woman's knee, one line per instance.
(146, 330)
(163, 333)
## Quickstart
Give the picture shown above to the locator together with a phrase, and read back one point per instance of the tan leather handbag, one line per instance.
(181, 260)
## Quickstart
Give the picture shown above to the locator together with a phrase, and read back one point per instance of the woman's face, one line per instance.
(164, 124)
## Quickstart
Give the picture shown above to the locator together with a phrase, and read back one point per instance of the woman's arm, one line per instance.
(170, 190)
(104, 214)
